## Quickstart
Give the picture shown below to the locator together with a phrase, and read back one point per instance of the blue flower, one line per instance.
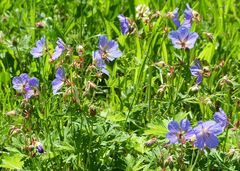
(58, 82)
(183, 38)
(108, 51)
(196, 70)
(19, 83)
(174, 16)
(38, 50)
(124, 23)
(177, 132)
(58, 50)
(39, 147)
(221, 118)
(25, 85)
(99, 62)
(206, 134)
(189, 16)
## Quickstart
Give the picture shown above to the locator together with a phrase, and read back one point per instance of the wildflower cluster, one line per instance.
(204, 134)
(183, 38)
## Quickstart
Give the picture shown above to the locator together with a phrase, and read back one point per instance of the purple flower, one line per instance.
(38, 50)
(177, 132)
(58, 82)
(175, 18)
(58, 50)
(188, 15)
(124, 23)
(206, 134)
(183, 38)
(25, 85)
(196, 70)
(19, 83)
(39, 147)
(108, 51)
(99, 62)
(221, 118)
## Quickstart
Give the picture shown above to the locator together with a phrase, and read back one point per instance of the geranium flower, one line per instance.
(58, 50)
(58, 82)
(174, 16)
(196, 70)
(124, 23)
(108, 51)
(99, 62)
(189, 16)
(177, 132)
(19, 83)
(38, 50)
(206, 134)
(221, 118)
(183, 38)
(25, 85)
(39, 147)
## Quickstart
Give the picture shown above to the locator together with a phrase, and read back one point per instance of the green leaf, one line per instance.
(160, 130)
(13, 161)
(116, 117)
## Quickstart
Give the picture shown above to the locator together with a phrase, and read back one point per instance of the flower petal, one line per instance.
(38, 50)
(211, 141)
(33, 82)
(174, 36)
(185, 125)
(99, 62)
(175, 19)
(221, 118)
(195, 70)
(183, 33)
(173, 127)
(192, 38)
(172, 138)
(56, 85)
(60, 74)
(199, 143)
(102, 42)
(124, 23)
(188, 12)
(199, 79)
(57, 53)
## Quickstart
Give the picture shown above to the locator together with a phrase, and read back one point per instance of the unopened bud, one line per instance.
(161, 64)
(39, 24)
(92, 110)
(194, 88)
(80, 50)
(231, 151)
(206, 72)
(162, 88)
(11, 113)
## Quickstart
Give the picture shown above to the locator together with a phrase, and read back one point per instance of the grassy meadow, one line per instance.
(85, 88)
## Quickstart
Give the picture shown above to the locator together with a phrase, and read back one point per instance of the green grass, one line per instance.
(134, 103)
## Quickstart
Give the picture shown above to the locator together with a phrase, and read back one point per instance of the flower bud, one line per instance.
(39, 24)
(80, 50)
(194, 88)
(92, 110)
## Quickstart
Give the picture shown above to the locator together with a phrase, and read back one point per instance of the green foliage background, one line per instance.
(131, 107)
